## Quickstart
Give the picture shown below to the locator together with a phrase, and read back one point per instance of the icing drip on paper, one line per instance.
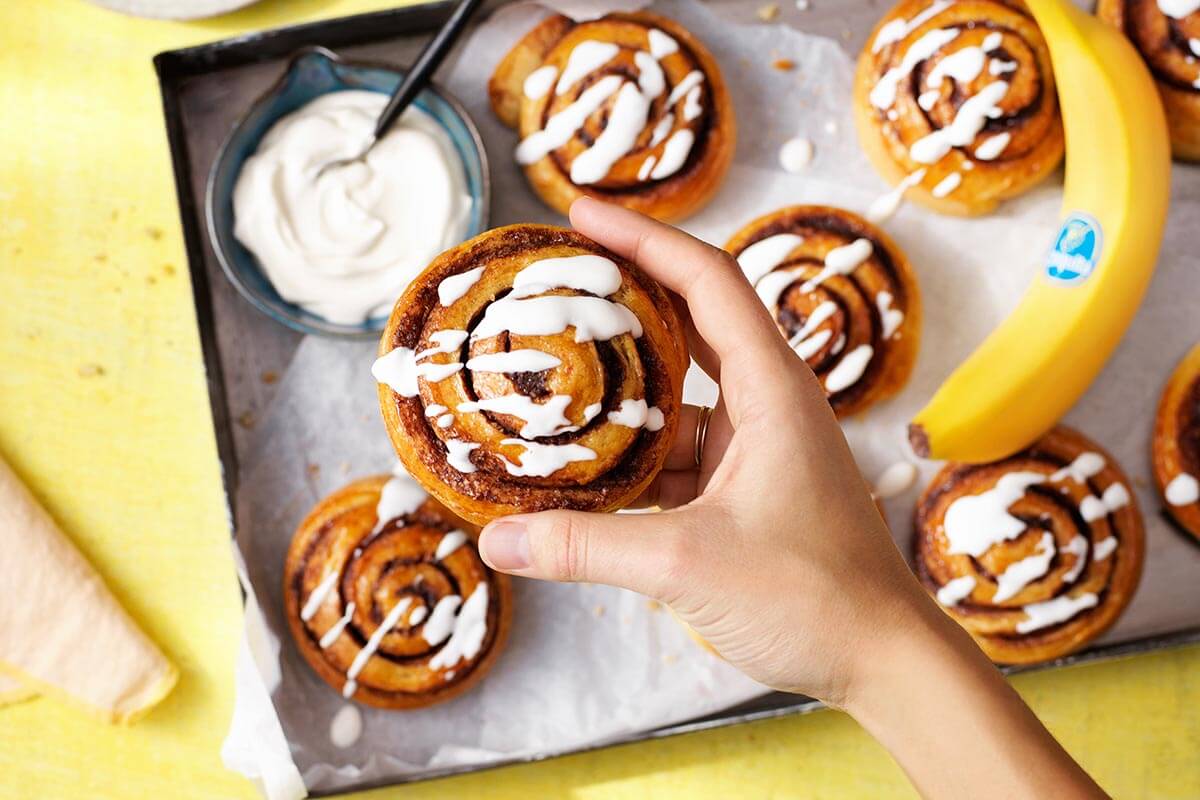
(894, 481)
(346, 726)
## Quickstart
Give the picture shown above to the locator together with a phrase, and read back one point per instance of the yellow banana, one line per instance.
(1033, 368)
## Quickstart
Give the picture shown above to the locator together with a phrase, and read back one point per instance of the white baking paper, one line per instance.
(590, 664)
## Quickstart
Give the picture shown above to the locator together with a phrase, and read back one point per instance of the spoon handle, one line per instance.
(427, 62)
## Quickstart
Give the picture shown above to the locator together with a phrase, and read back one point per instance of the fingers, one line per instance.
(632, 551)
(726, 312)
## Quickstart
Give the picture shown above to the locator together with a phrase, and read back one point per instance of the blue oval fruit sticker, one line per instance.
(1076, 250)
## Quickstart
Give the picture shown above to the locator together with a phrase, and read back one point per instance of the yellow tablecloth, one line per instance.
(103, 412)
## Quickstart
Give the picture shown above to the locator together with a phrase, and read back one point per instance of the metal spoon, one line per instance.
(427, 63)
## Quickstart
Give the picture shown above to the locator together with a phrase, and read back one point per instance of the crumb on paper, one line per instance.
(599, 611)
(345, 467)
(669, 658)
(314, 469)
(769, 12)
(653, 605)
(247, 420)
(154, 232)
(90, 370)
(626, 619)
(1141, 482)
(270, 377)
(783, 64)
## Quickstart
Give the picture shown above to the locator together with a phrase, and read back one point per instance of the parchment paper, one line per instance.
(587, 664)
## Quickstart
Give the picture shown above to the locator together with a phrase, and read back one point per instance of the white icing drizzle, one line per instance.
(541, 419)
(991, 147)
(1194, 46)
(459, 455)
(897, 29)
(434, 409)
(1085, 466)
(849, 369)
(841, 261)
(513, 361)
(1002, 67)
(839, 345)
(420, 612)
(644, 169)
(399, 368)
(807, 341)
(894, 481)
(963, 66)
(1115, 496)
(883, 94)
(445, 421)
(346, 726)
(372, 645)
(689, 82)
(772, 285)
(972, 115)
(1019, 574)
(441, 621)
(585, 58)
(675, 153)
(401, 495)
(592, 317)
(691, 105)
(1077, 547)
(469, 631)
(661, 45)
(540, 81)
(927, 100)
(454, 287)
(586, 273)
(1052, 612)
(1104, 548)
(764, 255)
(1178, 9)
(891, 318)
(626, 120)
(955, 591)
(449, 543)
(318, 596)
(887, 204)
(809, 346)
(636, 414)
(336, 629)
(651, 79)
(562, 126)
(796, 154)
(591, 411)
(975, 523)
(1183, 490)
(947, 184)
(446, 341)
(661, 130)
(992, 41)
(540, 460)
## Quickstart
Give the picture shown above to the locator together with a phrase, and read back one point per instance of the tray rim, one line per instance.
(172, 68)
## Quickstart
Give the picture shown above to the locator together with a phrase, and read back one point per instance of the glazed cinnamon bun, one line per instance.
(1167, 34)
(387, 598)
(629, 108)
(529, 369)
(843, 295)
(1035, 555)
(955, 103)
(1176, 450)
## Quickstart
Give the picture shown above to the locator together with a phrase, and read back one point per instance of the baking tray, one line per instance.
(204, 90)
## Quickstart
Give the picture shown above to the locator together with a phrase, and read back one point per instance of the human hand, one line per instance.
(771, 548)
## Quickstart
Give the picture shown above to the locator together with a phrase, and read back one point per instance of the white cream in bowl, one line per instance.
(345, 243)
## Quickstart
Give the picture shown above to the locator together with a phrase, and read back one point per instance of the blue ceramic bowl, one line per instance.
(311, 73)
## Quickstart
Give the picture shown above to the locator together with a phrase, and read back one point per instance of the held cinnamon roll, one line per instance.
(387, 598)
(1035, 555)
(630, 108)
(842, 294)
(1177, 444)
(955, 103)
(529, 369)
(1167, 34)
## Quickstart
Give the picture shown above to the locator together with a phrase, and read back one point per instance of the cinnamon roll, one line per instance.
(530, 369)
(955, 103)
(1035, 555)
(1167, 34)
(842, 294)
(630, 108)
(387, 598)
(1176, 450)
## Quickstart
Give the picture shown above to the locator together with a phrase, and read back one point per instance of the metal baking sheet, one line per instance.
(205, 88)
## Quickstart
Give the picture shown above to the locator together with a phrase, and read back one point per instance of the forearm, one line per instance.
(955, 725)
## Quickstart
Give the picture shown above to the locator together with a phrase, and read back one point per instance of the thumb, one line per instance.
(642, 552)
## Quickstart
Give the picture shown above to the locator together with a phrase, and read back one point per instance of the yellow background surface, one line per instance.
(103, 412)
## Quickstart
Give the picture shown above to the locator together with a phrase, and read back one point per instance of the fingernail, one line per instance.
(505, 545)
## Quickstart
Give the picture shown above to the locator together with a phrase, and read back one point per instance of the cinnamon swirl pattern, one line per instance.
(842, 294)
(387, 598)
(1167, 34)
(628, 107)
(1035, 555)
(1176, 452)
(530, 369)
(956, 105)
